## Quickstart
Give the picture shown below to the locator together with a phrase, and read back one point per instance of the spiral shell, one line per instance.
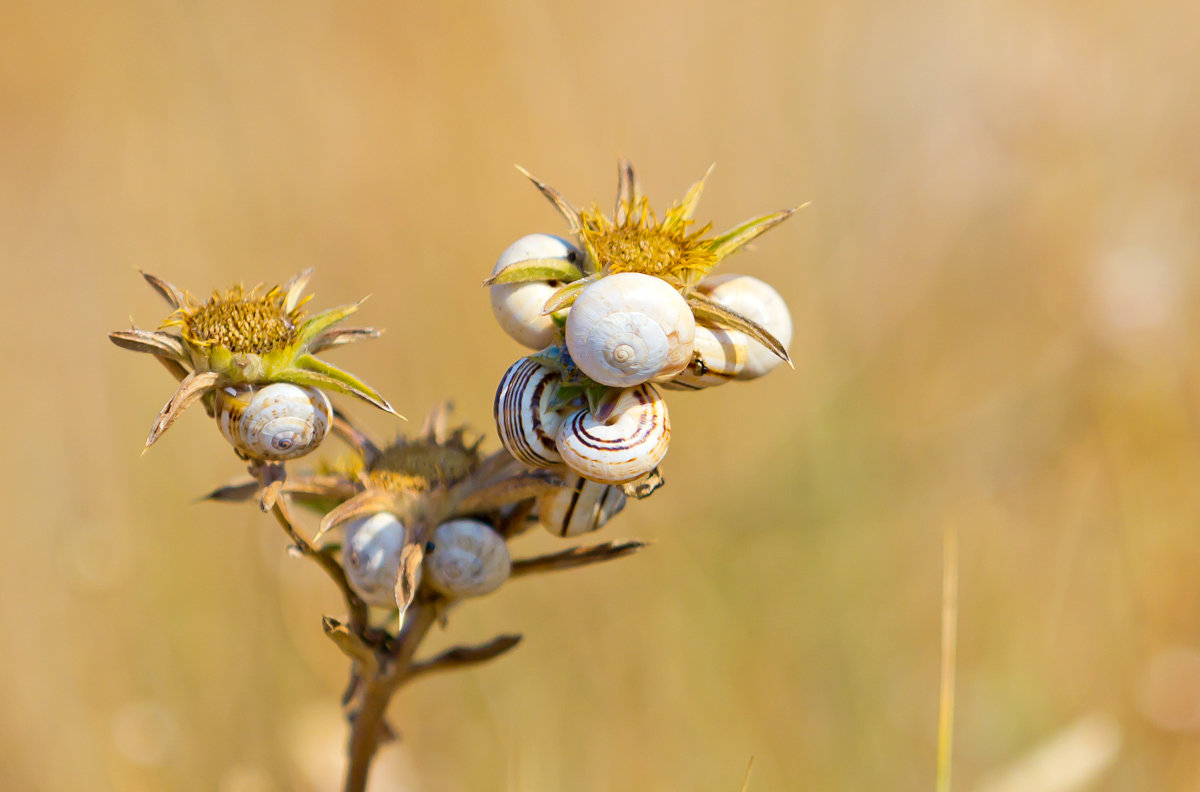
(276, 422)
(371, 557)
(629, 445)
(719, 355)
(526, 425)
(580, 507)
(469, 559)
(758, 302)
(629, 328)
(518, 306)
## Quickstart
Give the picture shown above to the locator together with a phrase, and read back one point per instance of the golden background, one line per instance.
(994, 294)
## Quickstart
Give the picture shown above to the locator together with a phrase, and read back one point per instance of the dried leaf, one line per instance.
(570, 213)
(710, 312)
(168, 291)
(410, 576)
(192, 388)
(575, 557)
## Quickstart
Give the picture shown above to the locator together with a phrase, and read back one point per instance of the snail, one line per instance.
(629, 328)
(526, 425)
(580, 507)
(719, 355)
(469, 559)
(371, 557)
(758, 302)
(273, 423)
(627, 446)
(518, 306)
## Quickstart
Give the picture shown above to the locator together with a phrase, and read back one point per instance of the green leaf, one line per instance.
(315, 373)
(743, 234)
(565, 297)
(539, 269)
(321, 322)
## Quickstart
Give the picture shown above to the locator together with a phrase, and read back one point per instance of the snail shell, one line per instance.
(580, 507)
(468, 559)
(371, 557)
(629, 328)
(758, 302)
(526, 425)
(276, 422)
(630, 444)
(518, 306)
(719, 356)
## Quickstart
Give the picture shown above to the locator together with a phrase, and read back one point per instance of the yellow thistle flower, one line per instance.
(246, 337)
(633, 240)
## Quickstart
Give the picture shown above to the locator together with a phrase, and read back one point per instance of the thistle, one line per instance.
(240, 338)
(633, 240)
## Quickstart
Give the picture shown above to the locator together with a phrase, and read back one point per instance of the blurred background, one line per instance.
(994, 293)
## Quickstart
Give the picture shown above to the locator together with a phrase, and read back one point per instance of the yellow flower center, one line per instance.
(419, 467)
(242, 323)
(642, 244)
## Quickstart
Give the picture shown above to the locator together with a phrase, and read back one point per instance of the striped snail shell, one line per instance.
(518, 306)
(469, 559)
(758, 302)
(580, 507)
(526, 425)
(629, 328)
(719, 356)
(371, 557)
(629, 445)
(273, 423)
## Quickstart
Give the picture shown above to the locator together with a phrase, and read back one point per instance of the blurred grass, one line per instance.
(994, 292)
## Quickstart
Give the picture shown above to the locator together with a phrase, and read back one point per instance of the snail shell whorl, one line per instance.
(468, 559)
(526, 425)
(757, 301)
(582, 506)
(719, 356)
(518, 306)
(276, 422)
(629, 328)
(371, 557)
(629, 445)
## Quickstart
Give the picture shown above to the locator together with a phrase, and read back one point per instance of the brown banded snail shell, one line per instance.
(757, 301)
(469, 559)
(718, 357)
(273, 422)
(526, 425)
(629, 445)
(580, 507)
(518, 306)
(371, 557)
(630, 328)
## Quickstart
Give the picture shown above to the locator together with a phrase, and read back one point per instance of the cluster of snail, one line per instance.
(469, 558)
(625, 335)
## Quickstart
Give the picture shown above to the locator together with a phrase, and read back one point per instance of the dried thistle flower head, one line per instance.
(246, 337)
(633, 239)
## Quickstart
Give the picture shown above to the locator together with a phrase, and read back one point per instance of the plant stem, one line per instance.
(396, 667)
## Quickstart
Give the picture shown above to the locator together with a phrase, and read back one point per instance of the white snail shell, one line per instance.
(371, 557)
(469, 559)
(526, 425)
(582, 506)
(518, 306)
(276, 422)
(629, 328)
(629, 445)
(758, 302)
(719, 356)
